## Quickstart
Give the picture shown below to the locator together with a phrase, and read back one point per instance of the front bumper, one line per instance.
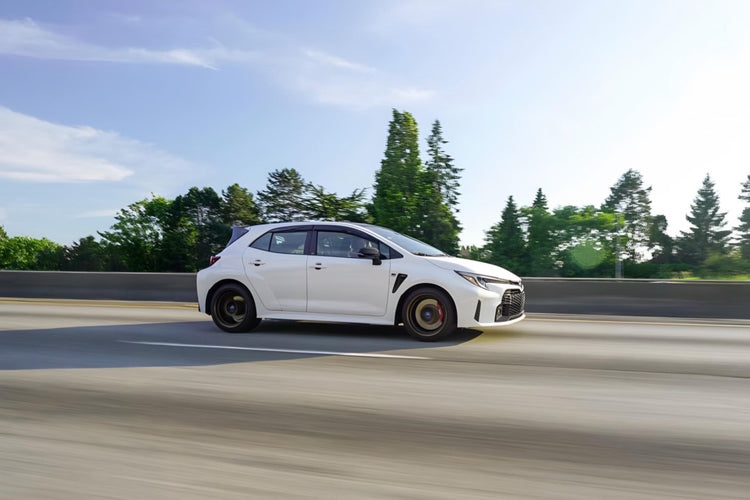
(498, 306)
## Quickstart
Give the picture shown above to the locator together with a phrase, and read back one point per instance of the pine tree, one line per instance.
(396, 198)
(284, 198)
(541, 244)
(505, 245)
(632, 203)
(706, 235)
(321, 205)
(238, 206)
(439, 192)
(446, 175)
(659, 241)
(86, 254)
(743, 229)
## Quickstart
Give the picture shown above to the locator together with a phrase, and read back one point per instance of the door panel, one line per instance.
(279, 279)
(343, 285)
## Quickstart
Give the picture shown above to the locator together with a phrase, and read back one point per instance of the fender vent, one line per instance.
(399, 280)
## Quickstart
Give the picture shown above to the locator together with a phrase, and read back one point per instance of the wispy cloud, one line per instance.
(321, 76)
(98, 213)
(329, 79)
(35, 150)
(28, 39)
(358, 93)
(337, 62)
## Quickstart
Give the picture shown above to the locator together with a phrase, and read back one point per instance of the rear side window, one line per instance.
(290, 242)
(263, 242)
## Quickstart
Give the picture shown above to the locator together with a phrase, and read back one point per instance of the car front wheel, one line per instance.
(233, 309)
(428, 314)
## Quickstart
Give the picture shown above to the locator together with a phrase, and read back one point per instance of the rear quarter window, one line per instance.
(263, 242)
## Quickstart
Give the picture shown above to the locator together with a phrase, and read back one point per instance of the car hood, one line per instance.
(473, 266)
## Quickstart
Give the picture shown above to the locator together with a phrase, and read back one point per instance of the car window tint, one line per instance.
(336, 244)
(291, 242)
(263, 242)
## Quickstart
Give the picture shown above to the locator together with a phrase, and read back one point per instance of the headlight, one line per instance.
(482, 281)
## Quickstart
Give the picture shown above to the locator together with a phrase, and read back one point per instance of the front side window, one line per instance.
(338, 244)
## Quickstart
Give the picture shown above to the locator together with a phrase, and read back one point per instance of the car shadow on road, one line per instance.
(200, 343)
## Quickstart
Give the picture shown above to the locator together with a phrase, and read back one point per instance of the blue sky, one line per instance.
(103, 103)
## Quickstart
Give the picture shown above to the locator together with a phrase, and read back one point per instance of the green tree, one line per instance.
(706, 234)
(3, 234)
(541, 244)
(320, 205)
(135, 239)
(285, 196)
(238, 207)
(196, 230)
(505, 245)
(446, 174)
(660, 242)
(86, 254)
(583, 236)
(473, 252)
(743, 230)
(439, 194)
(396, 200)
(23, 253)
(629, 199)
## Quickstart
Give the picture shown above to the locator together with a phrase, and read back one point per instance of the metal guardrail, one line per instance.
(692, 299)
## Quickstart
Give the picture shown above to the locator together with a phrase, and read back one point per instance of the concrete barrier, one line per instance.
(692, 299)
(170, 287)
(629, 297)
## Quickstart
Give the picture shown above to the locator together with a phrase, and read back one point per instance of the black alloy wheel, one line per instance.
(233, 309)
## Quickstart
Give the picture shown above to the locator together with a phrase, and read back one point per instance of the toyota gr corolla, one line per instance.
(353, 273)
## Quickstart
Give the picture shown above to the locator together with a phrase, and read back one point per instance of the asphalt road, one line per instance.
(124, 401)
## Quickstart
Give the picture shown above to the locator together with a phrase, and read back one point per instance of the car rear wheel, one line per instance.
(428, 314)
(233, 309)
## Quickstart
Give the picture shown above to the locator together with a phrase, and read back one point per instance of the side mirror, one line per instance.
(370, 253)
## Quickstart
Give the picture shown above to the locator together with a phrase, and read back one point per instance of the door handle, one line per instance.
(258, 263)
(318, 266)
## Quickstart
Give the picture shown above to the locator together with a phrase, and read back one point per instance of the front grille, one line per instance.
(511, 307)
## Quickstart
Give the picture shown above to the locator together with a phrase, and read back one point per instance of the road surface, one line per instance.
(135, 400)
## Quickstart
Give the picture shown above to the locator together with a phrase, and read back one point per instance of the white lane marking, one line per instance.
(288, 351)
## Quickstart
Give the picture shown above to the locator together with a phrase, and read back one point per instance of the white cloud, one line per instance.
(323, 77)
(35, 150)
(28, 39)
(98, 213)
(337, 62)
(359, 94)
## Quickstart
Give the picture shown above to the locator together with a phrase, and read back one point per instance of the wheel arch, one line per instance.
(399, 307)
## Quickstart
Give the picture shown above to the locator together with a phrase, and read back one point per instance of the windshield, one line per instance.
(409, 244)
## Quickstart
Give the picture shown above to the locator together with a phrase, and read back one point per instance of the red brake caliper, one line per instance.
(441, 314)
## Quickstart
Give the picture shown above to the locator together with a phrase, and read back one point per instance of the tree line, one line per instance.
(417, 196)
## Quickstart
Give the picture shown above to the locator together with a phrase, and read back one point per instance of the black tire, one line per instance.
(233, 309)
(428, 314)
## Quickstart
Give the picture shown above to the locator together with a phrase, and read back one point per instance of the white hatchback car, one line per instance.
(353, 273)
